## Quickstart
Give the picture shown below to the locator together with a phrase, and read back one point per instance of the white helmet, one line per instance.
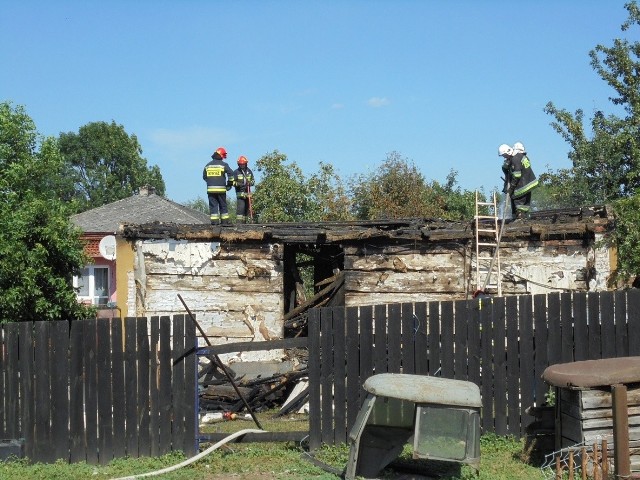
(518, 147)
(504, 149)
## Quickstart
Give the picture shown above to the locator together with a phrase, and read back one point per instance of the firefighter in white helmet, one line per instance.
(519, 179)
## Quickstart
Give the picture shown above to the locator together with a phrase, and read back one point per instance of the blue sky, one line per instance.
(342, 82)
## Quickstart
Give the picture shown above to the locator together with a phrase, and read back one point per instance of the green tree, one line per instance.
(107, 164)
(283, 194)
(329, 198)
(397, 189)
(605, 156)
(39, 248)
(199, 204)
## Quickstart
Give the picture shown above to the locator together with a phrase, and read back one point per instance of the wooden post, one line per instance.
(621, 455)
(571, 464)
(605, 459)
(558, 468)
(583, 463)
(596, 468)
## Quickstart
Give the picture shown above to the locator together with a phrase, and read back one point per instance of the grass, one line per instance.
(501, 459)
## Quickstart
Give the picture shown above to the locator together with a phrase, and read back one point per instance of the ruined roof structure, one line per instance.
(544, 224)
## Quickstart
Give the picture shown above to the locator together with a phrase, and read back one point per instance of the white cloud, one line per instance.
(377, 102)
(337, 106)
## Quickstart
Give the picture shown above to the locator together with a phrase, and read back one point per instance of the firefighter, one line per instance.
(219, 177)
(519, 178)
(243, 180)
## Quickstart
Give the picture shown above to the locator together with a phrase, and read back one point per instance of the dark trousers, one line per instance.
(521, 204)
(218, 210)
(242, 209)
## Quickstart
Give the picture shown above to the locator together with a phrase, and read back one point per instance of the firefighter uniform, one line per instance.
(219, 177)
(243, 180)
(521, 181)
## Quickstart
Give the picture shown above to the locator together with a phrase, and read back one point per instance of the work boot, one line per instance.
(225, 221)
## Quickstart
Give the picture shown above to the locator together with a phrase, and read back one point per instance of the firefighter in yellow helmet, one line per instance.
(243, 180)
(219, 177)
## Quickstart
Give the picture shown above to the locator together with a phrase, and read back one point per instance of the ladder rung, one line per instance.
(486, 230)
(485, 244)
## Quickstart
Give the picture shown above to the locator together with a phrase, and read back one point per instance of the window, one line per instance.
(93, 285)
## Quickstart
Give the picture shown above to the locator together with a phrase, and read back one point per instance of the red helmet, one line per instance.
(242, 160)
(222, 152)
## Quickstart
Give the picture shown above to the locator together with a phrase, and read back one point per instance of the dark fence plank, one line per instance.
(190, 447)
(89, 339)
(340, 375)
(473, 333)
(394, 338)
(326, 375)
(131, 386)
(380, 347)
(353, 365)
(118, 389)
(315, 360)
(27, 406)
(144, 440)
(59, 358)
(422, 345)
(541, 338)
(164, 394)
(581, 327)
(461, 321)
(486, 379)
(633, 307)
(3, 383)
(367, 323)
(513, 326)
(433, 336)
(499, 363)
(154, 371)
(593, 315)
(177, 384)
(528, 379)
(554, 339)
(621, 329)
(12, 380)
(77, 452)
(566, 328)
(409, 328)
(607, 325)
(42, 434)
(446, 339)
(105, 398)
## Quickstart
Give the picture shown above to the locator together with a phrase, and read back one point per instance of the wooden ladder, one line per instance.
(487, 246)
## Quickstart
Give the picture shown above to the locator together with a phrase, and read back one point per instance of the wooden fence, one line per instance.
(91, 391)
(502, 344)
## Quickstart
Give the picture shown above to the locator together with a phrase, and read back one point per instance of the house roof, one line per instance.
(142, 208)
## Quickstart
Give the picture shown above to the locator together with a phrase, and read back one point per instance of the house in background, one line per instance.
(97, 283)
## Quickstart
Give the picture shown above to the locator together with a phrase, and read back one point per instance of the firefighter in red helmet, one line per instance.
(243, 180)
(219, 177)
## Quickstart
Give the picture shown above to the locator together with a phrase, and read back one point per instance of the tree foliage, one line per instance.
(106, 164)
(39, 248)
(285, 194)
(606, 155)
(397, 189)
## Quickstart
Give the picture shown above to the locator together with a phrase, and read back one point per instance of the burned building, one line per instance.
(255, 281)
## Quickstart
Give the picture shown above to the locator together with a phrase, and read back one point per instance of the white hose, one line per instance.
(195, 458)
